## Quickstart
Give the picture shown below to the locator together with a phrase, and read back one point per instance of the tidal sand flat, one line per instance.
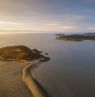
(34, 86)
(16, 59)
(10, 80)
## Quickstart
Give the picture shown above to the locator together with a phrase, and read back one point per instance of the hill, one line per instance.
(19, 52)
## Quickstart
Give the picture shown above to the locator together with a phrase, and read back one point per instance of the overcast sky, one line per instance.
(48, 15)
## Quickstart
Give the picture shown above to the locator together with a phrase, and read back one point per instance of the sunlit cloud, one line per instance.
(55, 27)
(47, 15)
(70, 27)
(91, 28)
(8, 23)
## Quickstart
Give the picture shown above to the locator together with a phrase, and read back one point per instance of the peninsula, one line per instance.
(19, 52)
(34, 56)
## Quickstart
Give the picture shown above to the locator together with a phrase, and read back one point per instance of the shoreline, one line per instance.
(33, 85)
(11, 83)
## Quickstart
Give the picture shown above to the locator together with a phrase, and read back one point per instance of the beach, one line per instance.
(31, 82)
(11, 84)
(18, 80)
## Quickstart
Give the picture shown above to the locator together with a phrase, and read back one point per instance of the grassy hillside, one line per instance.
(19, 52)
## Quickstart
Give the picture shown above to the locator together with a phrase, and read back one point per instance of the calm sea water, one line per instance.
(71, 70)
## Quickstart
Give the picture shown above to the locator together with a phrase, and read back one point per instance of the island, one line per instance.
(34, 57)
(76, 37)
(20, 52)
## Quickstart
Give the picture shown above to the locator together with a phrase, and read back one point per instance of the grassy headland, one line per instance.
(19, 52)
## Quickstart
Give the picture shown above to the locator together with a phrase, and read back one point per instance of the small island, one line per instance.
(76, 37)
(19, 52)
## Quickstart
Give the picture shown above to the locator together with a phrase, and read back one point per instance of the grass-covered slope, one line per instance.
(19, 52)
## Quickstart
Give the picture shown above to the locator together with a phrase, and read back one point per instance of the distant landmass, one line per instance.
(19, 52)
(76, 37)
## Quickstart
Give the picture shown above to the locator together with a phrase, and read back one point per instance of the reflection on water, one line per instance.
(71, 70)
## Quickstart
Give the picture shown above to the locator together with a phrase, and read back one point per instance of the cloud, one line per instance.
(91, 28)
(47, 15)
(8, 23)
(55, 27)
(70, 28)
(46, 7)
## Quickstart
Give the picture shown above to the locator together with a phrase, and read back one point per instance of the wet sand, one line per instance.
(10, 80)
(33, 85)
(17, 80)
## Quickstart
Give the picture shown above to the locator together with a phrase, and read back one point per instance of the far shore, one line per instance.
(76, 37)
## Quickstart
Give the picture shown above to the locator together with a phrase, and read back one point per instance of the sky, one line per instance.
(47, 16)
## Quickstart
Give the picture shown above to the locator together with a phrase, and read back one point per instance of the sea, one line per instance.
(70, 72)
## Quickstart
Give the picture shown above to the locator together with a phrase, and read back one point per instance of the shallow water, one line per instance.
(71, 70)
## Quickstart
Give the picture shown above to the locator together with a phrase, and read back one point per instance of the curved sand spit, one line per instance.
(34, 86)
